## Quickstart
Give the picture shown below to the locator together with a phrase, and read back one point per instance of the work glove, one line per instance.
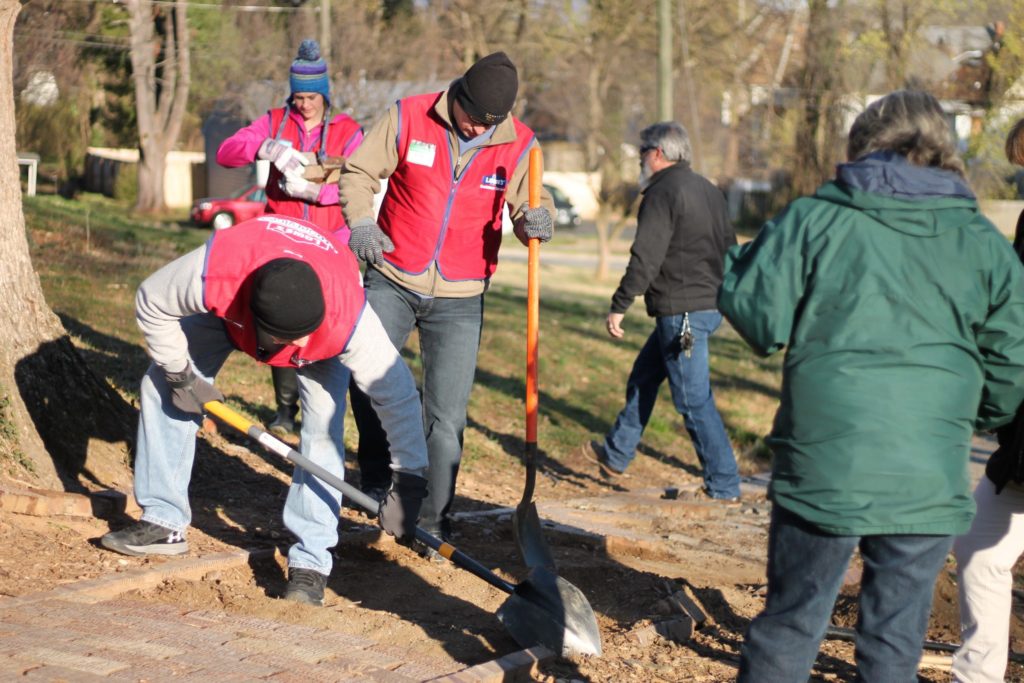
(368, 242)
(401, 506)
(294, 185)
(537, 223)
(284, 157)
(189, 393)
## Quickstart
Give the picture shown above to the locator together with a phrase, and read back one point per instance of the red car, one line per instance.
(223, 212)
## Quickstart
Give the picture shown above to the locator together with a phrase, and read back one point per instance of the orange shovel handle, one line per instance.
(533, 304)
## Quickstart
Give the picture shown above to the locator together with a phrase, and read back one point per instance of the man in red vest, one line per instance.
(453, 159)
(289, 137)
(281, 291)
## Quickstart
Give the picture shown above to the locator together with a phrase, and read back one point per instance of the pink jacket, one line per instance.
(241, 148)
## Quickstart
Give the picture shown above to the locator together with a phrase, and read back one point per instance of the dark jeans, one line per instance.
(449, 335)
(805, 571)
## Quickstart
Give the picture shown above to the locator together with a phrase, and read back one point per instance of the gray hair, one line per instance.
(910, 123)
(671, 138)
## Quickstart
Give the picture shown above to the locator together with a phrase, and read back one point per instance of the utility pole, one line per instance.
(665, 60)
(325, 31)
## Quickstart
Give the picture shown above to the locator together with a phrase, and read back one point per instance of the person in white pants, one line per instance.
(985, 555)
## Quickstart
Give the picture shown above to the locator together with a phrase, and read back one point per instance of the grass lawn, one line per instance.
(91, 255)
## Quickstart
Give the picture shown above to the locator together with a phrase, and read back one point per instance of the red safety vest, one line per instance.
(430, 214)
(341, 131)
(234, 254)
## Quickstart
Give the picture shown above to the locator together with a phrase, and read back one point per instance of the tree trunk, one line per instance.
(820, 86)
(161, 73)
(52, 407)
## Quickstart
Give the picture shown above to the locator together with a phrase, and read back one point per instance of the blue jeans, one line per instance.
(449, 334)
(690, 381)
(166, 446)
(805, 571)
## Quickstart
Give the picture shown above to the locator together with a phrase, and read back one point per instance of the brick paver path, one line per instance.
(122, 639)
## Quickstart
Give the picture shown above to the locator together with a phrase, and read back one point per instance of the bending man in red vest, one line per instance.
(452, 159)
(288, 137)
(279, 290)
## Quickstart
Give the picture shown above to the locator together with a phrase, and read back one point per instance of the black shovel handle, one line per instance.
(272, 443)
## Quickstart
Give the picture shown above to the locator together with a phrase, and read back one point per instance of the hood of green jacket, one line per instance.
(915, 200)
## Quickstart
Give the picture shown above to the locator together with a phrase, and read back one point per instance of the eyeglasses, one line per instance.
(645, 149)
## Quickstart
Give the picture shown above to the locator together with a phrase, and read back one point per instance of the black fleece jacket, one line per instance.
(682, 234)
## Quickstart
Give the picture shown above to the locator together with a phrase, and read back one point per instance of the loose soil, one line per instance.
(386, 592)
(639, 549)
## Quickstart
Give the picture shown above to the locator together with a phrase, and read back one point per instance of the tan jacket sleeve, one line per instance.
(374, 159)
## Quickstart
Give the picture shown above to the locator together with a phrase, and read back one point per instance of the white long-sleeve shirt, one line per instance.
(176, 291)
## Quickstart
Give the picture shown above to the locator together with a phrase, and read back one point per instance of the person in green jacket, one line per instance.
(901, 309)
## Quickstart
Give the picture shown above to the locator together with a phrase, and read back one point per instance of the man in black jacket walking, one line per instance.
(682, 233)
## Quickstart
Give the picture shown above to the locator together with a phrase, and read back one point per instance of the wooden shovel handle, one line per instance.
(533, 304)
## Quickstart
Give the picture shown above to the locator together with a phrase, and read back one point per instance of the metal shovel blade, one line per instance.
(526, 527)
(547, 610)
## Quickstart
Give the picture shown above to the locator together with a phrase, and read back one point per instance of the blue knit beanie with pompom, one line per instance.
(309, 71)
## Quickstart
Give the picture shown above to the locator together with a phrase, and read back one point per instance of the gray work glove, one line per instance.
(189, 393)
(294, 185)
(537, 223)
(401, 506)
(284, 157)
(368, 242)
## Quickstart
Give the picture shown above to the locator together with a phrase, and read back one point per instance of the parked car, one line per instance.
(566, 215)
(223, 212)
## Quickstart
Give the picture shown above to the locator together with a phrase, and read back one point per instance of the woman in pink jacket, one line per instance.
(291, 137)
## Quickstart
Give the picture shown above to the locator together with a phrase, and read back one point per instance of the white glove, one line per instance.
(284, 157)
(294, 185)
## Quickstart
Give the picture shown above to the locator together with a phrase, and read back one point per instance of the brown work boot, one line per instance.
(594, 452)
(701, 495)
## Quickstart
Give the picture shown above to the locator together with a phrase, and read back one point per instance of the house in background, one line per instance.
(104, 167)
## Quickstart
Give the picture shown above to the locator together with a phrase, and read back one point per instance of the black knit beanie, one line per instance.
(488, 89)
(287, 299)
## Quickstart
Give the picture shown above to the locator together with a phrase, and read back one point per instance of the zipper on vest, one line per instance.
(456, 180)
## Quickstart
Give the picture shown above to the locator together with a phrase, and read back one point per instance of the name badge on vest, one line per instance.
(493, 182)
(420, 153)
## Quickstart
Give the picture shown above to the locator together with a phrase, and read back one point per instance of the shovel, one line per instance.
(545, 609)
(525, 523)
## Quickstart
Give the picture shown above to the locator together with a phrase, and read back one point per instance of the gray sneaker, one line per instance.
(305, 586)
(145, 538)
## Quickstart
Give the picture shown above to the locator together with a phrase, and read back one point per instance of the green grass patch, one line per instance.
(91, 254)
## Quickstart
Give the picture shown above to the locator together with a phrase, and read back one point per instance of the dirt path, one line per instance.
(627, 547)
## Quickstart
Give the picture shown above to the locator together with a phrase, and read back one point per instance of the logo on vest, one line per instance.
(297, 232)
(495, 183)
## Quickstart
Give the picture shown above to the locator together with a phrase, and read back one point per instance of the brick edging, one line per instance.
(107, 587)
(516, 666)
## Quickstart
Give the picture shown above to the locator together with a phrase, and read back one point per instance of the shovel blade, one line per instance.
(547, 610)
(526, 529)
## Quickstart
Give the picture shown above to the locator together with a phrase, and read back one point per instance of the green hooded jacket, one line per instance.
(902, 312)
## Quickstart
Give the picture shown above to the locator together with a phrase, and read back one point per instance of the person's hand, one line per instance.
(284, 157)
(537, 223)
(368, 242)
(614, 325)
(189, 393)
(401, 506)
(294, 185)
